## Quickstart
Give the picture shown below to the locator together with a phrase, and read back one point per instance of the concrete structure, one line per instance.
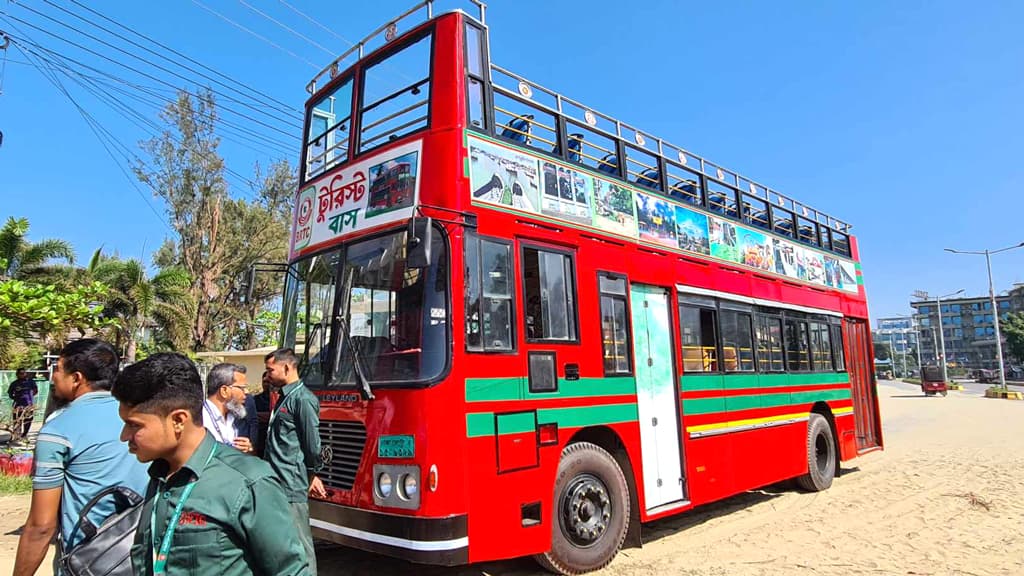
(967, 326)
(251, 359)
(899, 334)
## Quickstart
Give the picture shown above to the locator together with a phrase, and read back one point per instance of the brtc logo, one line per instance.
(303, 232)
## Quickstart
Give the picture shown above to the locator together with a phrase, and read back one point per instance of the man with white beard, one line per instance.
(225, 401)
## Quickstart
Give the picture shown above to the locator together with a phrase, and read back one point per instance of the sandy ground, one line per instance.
(946, 497)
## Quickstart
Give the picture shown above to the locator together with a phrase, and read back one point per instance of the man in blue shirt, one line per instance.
(22, 393)
(78, 453)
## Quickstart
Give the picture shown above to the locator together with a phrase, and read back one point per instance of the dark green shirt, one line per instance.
(236, 522)
(293, 440)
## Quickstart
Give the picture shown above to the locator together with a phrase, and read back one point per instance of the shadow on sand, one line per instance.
(337, 560)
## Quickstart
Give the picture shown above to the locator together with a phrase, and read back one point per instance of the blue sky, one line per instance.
(902, 118)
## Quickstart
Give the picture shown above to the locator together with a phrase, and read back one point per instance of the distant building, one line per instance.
(968, 327)
(899, 335)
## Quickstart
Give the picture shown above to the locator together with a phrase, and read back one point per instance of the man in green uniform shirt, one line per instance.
(209, 508)
(293, 440)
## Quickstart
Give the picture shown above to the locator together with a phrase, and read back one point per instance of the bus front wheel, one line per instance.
(821, 455)
(591, 511)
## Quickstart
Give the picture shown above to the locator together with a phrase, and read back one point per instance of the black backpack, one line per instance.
(106, 549)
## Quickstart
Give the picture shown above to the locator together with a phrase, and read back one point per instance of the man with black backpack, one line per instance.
(78, 455)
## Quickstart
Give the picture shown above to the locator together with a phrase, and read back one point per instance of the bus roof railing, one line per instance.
(390, 31)
(655, 145)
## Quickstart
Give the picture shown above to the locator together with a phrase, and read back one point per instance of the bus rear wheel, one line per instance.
(821, 455)
(591, 511)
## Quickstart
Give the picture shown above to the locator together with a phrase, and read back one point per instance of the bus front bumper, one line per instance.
(441, 541)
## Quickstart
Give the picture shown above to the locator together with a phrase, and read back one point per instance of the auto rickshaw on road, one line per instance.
(932, 381)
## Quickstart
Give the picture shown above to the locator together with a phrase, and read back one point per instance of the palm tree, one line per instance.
(22, 259)
(138, 302)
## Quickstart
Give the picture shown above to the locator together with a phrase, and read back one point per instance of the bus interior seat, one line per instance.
(785, 227)
(685, 190)
(575, 147)
(650, 178)
(518, 129)
(609, 164)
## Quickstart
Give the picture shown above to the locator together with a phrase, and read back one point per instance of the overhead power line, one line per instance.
(317, 23)
(283, 106)
(292, 136)
(137, 57)
(97, 129)
(244, 184)
(263, 38)
(268, 17)
(161, 101)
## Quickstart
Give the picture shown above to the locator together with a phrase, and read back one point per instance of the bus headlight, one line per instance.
(396, 486)
(384, 486)
(409, 487)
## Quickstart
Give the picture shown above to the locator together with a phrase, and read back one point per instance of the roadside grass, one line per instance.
(15, 485)
(912, 380)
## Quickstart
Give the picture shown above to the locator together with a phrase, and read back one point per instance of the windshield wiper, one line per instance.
(357, 361)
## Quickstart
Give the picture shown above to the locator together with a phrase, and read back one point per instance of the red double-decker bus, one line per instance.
(563, 327)
(392, 187)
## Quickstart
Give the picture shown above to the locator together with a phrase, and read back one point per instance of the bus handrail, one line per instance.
(707, 168)
(390, 26)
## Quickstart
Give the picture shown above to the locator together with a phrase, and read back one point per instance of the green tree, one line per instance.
(47, 312)
(23, 259)
(1013, 328)
(882, 351)
(218, 238)
(136, 302)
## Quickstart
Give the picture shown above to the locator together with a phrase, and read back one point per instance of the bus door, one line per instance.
(865, 401)
(661, 451)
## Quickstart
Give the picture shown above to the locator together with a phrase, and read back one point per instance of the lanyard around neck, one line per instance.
(273, 414)
(160, 557)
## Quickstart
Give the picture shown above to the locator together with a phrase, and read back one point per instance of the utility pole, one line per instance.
(992, 297)
(923, 295)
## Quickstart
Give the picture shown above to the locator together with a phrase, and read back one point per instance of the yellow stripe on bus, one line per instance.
(748, 422)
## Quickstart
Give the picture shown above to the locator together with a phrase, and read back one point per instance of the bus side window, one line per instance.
(797, 346)
(837, 347)
(488, 295)
(549, 295)
(614, 325)
(700, 341)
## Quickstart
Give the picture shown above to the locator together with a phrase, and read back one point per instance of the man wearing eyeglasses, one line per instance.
(225, 401)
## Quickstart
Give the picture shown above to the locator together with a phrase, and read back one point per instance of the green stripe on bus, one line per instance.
(703, 382)
(703, 405)
(497, 389)
(573, 417)
(489, 389)
(482, 423)
(516, 423)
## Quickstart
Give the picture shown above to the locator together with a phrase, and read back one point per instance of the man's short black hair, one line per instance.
(286, 355)
(95, 359)
(222, 375)
(161, 384)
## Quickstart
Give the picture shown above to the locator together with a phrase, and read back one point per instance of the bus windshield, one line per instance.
(396, 317)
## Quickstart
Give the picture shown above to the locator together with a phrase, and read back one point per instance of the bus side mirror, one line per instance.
(420, 238)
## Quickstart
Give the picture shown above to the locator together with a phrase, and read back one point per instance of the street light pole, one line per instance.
(892, 354)
(938, 309)
(942, 339)
(917, 344)
(903, 350)
(992, 298)
(995, 321)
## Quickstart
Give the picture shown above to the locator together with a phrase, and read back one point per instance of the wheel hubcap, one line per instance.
(821, 452)
(586, 510)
